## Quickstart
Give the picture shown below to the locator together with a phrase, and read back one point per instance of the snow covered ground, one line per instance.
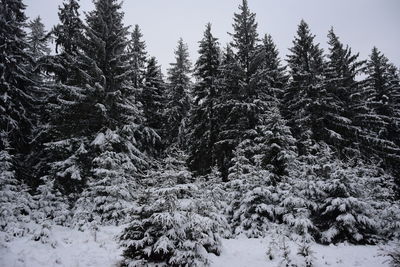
(73, 248)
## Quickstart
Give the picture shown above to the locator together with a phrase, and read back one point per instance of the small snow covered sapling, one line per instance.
(271, 250)
(286, 260)
(394, 255)
(305, 251)
(44, 235)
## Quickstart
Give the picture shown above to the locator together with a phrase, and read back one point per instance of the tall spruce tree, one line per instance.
(203, 122)
(69, 109)
(303, 95)
(379, 117)
(16, 83)
(137, 49)
(38, 39)
(274, 143)
(178, 100)
(245, 38)
(116, 133)
(272, 73)
(153, 98)
(340, 87)
(229, 112)
(236, 108)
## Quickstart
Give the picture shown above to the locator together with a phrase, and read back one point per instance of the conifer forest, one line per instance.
(289, 157)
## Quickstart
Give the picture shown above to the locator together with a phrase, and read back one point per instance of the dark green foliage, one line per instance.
(153, 97)
(202, 121)
(304, 95)
(340, 90)
(137, 49)
(178, 100)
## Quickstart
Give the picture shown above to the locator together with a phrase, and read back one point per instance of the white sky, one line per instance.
(359, 23)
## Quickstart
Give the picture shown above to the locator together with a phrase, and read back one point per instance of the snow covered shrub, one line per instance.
(211, 201)
(394, 257)
(15, 202)
(286, 257)
(109, 194)
(272, 248)
(256, 212)
(165, 234)
(389, 214)
(305, 251)
(255, 189)
(379, 190)
(50, 205)
(296, 210)
(44, 235)
(345, 214)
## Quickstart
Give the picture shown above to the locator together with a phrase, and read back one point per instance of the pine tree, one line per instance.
(38, 48)
(178, 100)
(272, 73)
(17, 107)
(275, 145)
(37, 39)
(117, 131)
(202, 120)
(303, 95)
(380, 115)
(345, 213)
(68, 37)
(239, 88)
(15, 201)
(153, 97)
(66, 136)
(245, 38)
(229, 112)
(137, 49)
(340, 87)
(273, 139)
(167, 231)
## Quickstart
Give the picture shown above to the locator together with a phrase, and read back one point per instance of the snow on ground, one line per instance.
(244, 252)
(74, 248)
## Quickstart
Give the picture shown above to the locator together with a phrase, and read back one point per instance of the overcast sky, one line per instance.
(359, 23)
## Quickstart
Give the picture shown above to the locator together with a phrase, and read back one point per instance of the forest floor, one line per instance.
(72, 248)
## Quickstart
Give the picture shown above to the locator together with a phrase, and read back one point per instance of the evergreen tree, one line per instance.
(273, 139)
(252, 197)
(116, 152)
(68, 37)
(345, 214)
(245, 38)
(275, 145)
(69, 109)
(380, 116)
(236, 107)
(202, 120)
(15, 201)
(153, 97)
(137, 49)
(303, 96)
(38, 49)
(272, 73)
(340, 88)
(69, 32)
(166, 231)
(37, 39)
(178, 100)
(229, 112)
(17, 107)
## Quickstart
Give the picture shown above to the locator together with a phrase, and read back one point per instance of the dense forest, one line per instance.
(244, 141)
